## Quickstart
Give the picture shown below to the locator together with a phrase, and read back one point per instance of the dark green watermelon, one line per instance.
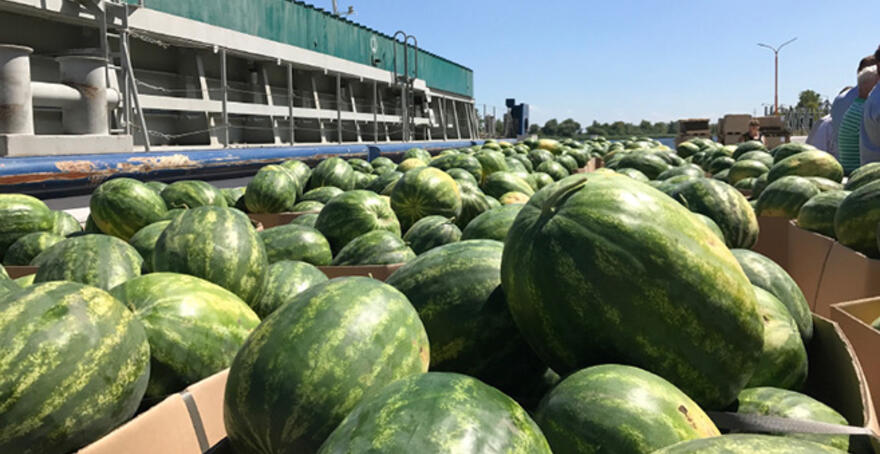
(690, 169)
(216, 244)
(8, 286)
(386, 180)
(300, 170)
(789, 149)
(144, 241)
(824, 184)
(437, 413)
(812, 163)
(725, 205)
(711, 224)
(649, 164)
(491, 162)
(785, 196)
(783, 361)
(157, 186)
(322, 194)
(747, 146)
(65, 224)
(492, 224)
(856, 219)
(424, 192)
(101, 261)
(639, 176)
(73, 367)
(790, 404)
(865, 174)
(381, 161)
(430, 232)
(332, 172)
(412, 163)
(747, 444)
(473, 202)
(26, 248)
(353, 214)
(307, 220)
(192, 194)
(194, 327)
(22, 214)
(595, 251)
(614, 408)
(378, 247)
(272, 190)
(419, 153)
(746, 168)
(817, 214)
(554, 169)
(296, 242)
(539, 156)
(499, 183)
(460, 161)
(307, 205)
(361, 165)
(461, 175)
(309, 363)
(232, 195)
(122, 206)
(538, 180)
(285, 280)
(766, 274)
(757, 155)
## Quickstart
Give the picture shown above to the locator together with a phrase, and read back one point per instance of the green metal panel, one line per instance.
(306, 26)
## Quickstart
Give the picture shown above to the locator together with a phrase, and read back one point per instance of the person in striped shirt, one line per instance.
(869, 140)
(850, 127)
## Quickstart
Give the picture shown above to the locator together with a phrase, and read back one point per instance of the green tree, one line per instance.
(568, 128)
(810, 100)
(534, 129)
(550, 128)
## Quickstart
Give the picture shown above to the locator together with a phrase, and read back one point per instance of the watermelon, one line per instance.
(747, 444)
(307, 220)
(513, 198)
(424, 192)
(761, 156)
(455, 288)
(353, 214)
(538, 180)
(759, 186)
(322, 194)
(157, 186)
(865, 174)
(460, 161)
(430, 232)
(411, 163)
(4, 276)
(192, 194)
(785, 196)
(750, 145)
(649, 164)
(789, 149)
(746, 168)
(568, 162)
(308, 364)
(8, 286)
(492, 224)
(173, 214)
(437, 412)
(144, 241)
(721, 176)
(816, 163)
(272, 190)
(385, 181)
(745, 184)
(101, 261)
(284, 280)
(686, 149)
(522, 159)
(692, 170)
(856, 219)
(378, 247)
(361, 165)
(817, 214)
(500, 183)
(307, 205)
(216, 244)
(418, 153)
(766, 274)
(595, 410)
(539, 156)
(721, 163)
(194, 327)
(711, 224)
(91, 227)
(300, 170)
(65, 224)
(491, 162)
(461, 175)
(122, 206)
(554, 169)
(791, 404)
(636, 174)
(24, 281)
(22, 214)
(783, 361)
(725, 205)
(824, 184)
(232, 195)
(74, 365)
(363, 180)
(29, 246)
(296, 242)
(594, 251)
(332, 172)
(381, 161)
(551, 145)
(473, 202)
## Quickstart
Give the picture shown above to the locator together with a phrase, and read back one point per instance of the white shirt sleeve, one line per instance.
(869, 136)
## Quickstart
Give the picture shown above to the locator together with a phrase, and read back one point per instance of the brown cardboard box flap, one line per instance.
(165, 428)
(269, 220)
(807, 255)
(16, 272)
(855, 319)
(208, 396)
(773, 239)
(848, 276)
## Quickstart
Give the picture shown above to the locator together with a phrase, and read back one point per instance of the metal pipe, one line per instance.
(375, 115)
(338, 108)
(63, 96)
(88, 76)
(290, 98)
(225, 97)
(16, 104)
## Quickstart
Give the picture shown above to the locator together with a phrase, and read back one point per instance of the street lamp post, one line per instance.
(776, 71)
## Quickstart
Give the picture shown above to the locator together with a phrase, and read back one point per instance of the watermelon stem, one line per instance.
(561, 194)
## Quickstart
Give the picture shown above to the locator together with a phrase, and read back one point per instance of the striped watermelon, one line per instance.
(460, 161)
(766, 274)
(8, 286)
(411, 163)
(308, 364)
(865, 174)
(791, 404)
(747, 146)
(379, 247)
(783, 361)
(322, 194)
(554, 169)
(613, 408)
(689, 169)
(473, 203)
(232, 195)
(272, 190)
(812, 163)
(74, 365)
(538, 180)
(725, 205)
(24, 281)
(65, 224)
(594, 251)
(144, 241)
(492, 224)
(746, 168)
(192, 194)
(789, 149)
(381, 161)
(122, 206)
(296, 242)
(307, 205)
(430, 232)
(4, 276)
(217, 244)
(539, 156)
(747, 444)
(353, 214)
(307, 220)
(757, 155)
(332, 172)
(568, 162)
(385, 180)
(856, 219)
(491, 162)
(824, 184)
(638, 175)
(455, 289)
(817, 214)
(711, 224)
(29, 246)
(194, 327)
(284, 280)
(437, 413)
(157, 186)
(424, 192)
(300, 170)
(22, 214)
(419, 153)
(500, 183)
(361, 165)
(101, 261)
(785, 196)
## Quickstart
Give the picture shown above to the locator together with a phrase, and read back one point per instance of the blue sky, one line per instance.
(634, 60)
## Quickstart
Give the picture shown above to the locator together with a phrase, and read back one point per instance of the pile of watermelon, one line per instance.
(538, 308)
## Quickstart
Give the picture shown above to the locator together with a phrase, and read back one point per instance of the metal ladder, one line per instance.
(405, 81)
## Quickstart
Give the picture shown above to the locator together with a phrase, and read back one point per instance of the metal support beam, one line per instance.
(357, 126)
(338, 107)
(318, 106)
(375, 114)
(457, 125)
(210, 121)
(290, 98)
(126, 62)
(276, 132)
(224, 87)
(385, 123)
(444, 122)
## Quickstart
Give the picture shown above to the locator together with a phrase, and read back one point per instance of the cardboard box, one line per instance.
(189, 422)
(855, 319)
(378, 272)
(848, 276)
(592, 165)
(773, 239)
(735, 124)
(16, 272)
(269, 220)
(806, 258)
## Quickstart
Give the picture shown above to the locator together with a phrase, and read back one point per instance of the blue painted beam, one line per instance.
(60, 176)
